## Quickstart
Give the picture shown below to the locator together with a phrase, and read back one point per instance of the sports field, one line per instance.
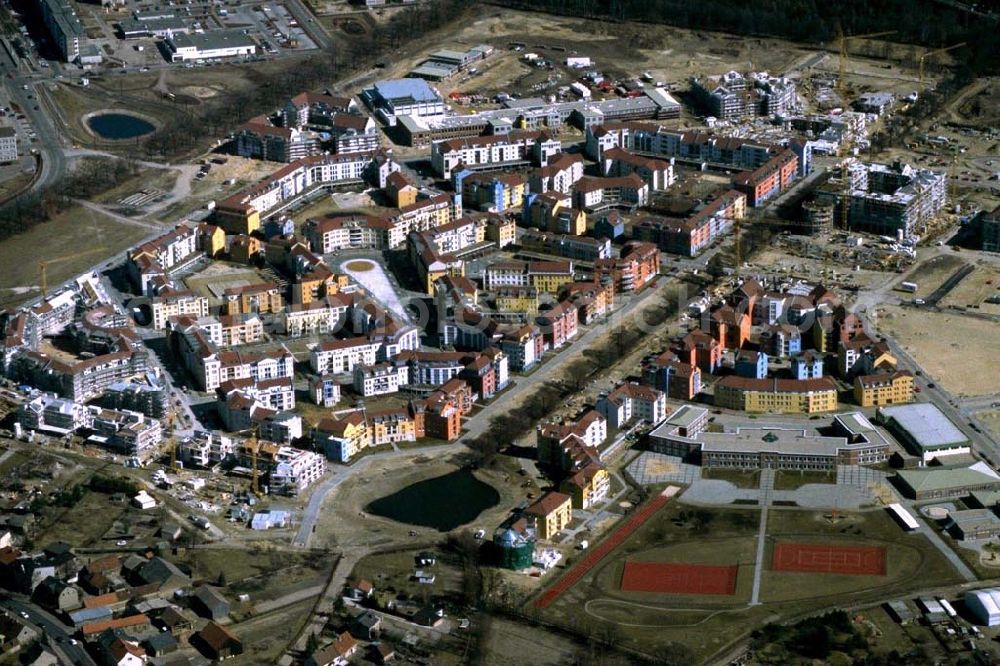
(670, 578)
(829, 558)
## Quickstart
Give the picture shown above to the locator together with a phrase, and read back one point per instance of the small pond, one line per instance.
(119, 125)
(444, 502)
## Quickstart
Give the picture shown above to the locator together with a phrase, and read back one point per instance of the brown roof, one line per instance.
(548, 503)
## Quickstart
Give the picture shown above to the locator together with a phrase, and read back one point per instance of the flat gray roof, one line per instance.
(685, 416)
(219, 39)
(793, 442)
(855, 423)
(925, 424)
(416, 90)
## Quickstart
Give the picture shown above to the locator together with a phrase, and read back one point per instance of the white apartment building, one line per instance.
(380, 379)
(339, 356)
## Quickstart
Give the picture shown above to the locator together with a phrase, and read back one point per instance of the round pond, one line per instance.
(119, 125)
(443, 502)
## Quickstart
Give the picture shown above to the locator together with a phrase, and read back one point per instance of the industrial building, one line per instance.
(210, 45)
(941, 482)
(924, 430)
(396, 98)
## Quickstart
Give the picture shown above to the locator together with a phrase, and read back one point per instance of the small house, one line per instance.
(360, 589)
(367, 626)
(207, 602)
(217, 642)
(425, 559)
(336, 653)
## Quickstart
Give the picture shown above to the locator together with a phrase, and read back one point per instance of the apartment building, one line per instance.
(342, 437)
(789, 396)
(262, 298)
(588, 486)
(352, 133)
(638, 265)
(259, 139)
(672, 376)
(8, 144)
(545, 276)
(516, 149)
(551, 514)
(592, 300)
(692, 236)
(320, 317)
(242, 213)
(380, 379)
(885, 388)
(632, 401)
(149, 265)
(294, 470)
(394, 425)
(560, 175)
(593, 194)
(558, 324)
(340, 356)
(768, 180)
(64, 27)
(492, 192)
(324, 391)
(658, 174)
(577, 248)
(311, 108)
(177, 303)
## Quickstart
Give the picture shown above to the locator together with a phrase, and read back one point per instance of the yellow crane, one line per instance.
(844, 42)
(171, 440)
(43, 266)
(253, 445)
(920, 62)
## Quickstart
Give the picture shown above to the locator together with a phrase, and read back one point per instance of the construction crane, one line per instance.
(43, 266)
(920, 63)
(253, 445)
(844, 41)
(171, 440)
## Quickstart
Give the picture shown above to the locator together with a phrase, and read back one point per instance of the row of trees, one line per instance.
(924, 22)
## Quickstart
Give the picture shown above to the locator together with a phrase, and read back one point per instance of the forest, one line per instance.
(932, 23)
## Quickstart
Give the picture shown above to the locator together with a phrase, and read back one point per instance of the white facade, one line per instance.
(338, 356)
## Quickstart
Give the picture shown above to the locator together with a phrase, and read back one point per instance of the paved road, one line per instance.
(57, 634)
(766, 488)
(479, 423)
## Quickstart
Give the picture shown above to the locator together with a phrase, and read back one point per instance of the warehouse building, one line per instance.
(938, 483)
(210, 45)
(924, 430)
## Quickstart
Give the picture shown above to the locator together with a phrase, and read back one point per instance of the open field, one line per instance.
(952, 348)
(394, 570)
(70, 231)
(991, 419)
(983, 282)
(704, 624)
(930, 274)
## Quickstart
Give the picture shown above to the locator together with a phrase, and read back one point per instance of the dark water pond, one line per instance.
(119, 126)
(444, 502)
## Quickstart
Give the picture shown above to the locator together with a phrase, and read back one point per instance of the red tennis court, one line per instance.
(678, 578)
(826, 558)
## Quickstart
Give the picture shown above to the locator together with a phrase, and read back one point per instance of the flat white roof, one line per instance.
(905, 516)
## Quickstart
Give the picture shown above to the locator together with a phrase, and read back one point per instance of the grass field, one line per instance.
(991, 419)
(705, 624)
(739, 478)
(70, 231)
(952, 348)
(790, 480)
(85, 524)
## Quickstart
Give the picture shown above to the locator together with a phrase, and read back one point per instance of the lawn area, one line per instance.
(392, 572)
(655, 624)
(85, 524)
(749, 478)
(791, 480)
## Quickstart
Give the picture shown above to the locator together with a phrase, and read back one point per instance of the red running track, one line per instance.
(673, 578)
(826, 558)
(597, 553)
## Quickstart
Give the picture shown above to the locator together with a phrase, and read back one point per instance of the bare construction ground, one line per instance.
(972, 292)
(930, 274)
(953, 348)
